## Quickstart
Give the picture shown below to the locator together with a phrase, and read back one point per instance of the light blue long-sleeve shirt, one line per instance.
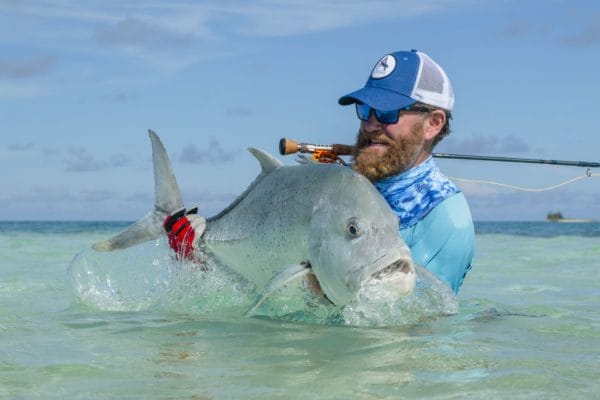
(435, 220)
(444, 241)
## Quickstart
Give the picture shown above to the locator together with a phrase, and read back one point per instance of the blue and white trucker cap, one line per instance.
(402, 78)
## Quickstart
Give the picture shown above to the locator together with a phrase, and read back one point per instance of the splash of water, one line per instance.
(378, 304)
(129, 280)
(147, 277)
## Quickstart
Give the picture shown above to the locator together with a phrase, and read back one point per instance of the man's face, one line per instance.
(383, 150)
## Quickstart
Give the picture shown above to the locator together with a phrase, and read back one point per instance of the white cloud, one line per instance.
(268, 18)
(259, 17)
(156, 31)
(485, 144)
(59, 202)
(122, 96)
(133, 32)
(214, 153)
(22, 90)
(20, 146)
(515, 205)
(81, 160)
(588, 35)
(25, 69)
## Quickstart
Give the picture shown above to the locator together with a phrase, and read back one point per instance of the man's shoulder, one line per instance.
(454, 212)
(449, 215)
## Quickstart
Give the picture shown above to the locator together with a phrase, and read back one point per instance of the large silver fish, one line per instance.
(315, 218)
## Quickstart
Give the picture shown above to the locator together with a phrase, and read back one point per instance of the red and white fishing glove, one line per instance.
(184, 230)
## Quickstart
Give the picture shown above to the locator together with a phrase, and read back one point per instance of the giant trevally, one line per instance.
(323, 219)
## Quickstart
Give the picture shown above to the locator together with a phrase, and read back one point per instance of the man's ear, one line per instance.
(434, 123)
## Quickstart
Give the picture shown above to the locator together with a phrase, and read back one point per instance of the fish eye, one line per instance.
(353, 229)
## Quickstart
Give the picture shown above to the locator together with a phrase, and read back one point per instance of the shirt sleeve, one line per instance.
(444, 241)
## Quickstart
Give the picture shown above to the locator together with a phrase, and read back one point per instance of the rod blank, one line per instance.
(518, 160)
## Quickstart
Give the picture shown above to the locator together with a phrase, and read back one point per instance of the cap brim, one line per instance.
(378, 98)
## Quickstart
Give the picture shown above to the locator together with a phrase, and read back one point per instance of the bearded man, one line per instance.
(405, 110)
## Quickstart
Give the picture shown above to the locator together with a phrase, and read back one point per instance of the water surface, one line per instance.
(527, 326)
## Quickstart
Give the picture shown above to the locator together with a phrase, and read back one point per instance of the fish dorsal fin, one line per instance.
(267, 162)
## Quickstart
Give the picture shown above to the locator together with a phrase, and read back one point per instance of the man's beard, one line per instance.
(400, 156)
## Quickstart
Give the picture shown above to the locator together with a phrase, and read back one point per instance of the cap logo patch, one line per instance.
(384, 67)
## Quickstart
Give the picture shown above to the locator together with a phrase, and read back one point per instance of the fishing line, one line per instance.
(588, 174)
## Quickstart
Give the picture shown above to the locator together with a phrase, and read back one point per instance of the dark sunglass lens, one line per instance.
(363, 111)
(387, 117)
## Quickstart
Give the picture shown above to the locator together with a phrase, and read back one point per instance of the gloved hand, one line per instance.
(184, 230)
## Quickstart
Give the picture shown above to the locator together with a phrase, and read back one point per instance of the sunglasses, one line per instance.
(363, 111)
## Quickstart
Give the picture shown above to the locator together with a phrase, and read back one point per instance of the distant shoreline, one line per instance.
(574, 220)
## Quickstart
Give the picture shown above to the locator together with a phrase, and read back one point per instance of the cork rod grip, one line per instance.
(290, 146)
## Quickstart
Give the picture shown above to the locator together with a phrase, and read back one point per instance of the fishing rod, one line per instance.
(289, 146)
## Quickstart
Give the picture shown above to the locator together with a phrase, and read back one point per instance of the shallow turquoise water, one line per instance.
(528, 326)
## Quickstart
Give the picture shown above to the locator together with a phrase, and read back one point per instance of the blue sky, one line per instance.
(81, 82)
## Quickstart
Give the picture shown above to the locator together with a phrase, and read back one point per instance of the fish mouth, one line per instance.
(393, 274)
(399, 277)
(399, 266)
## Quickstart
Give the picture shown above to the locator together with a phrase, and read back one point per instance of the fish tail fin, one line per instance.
(167, 200)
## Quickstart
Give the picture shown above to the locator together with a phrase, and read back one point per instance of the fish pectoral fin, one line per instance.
(287, 275)
(147, 228)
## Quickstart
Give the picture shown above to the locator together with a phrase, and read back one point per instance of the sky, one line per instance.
(81, 82)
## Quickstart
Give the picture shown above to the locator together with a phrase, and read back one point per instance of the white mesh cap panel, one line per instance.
(433, 86)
